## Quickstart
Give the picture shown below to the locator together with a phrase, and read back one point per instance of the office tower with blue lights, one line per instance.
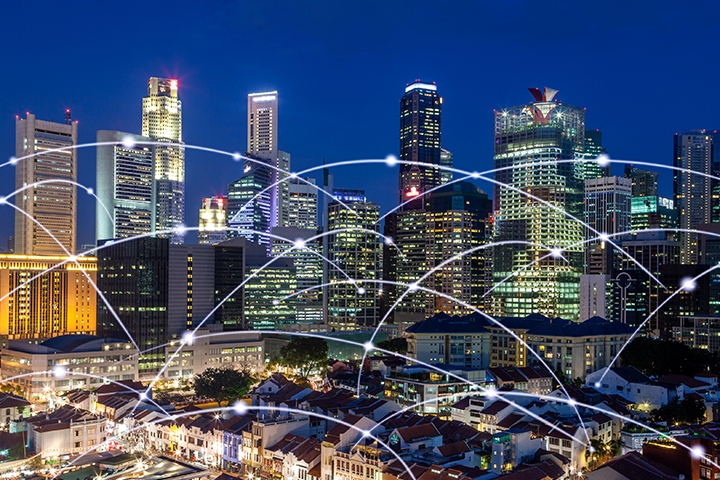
(648, 209)
(44, 177)
(162, 121)
(539, 189)
(593, 149)
(125, 185)
(212, 221)
(250, 203)
(355, 261)
(693, 151)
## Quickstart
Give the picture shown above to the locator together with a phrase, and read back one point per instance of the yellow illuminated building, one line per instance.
(46, 296)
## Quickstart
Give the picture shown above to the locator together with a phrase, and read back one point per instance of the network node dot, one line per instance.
(13, 160)
(72, 258)
(3, 200)
(388, 241)
(128, 141)
(413, 286)
(556, 252)
(368, 346)
(361, 291)
(603, 160)
(391, 160)
(475, 175)
(299, 243)
(240, 407)
(59, 371)
(603, 237)
(688, 284)
(597, 385)
(697, 451)
(236, 156)
(276, 302)
(293, 175)
(90, 191)
(188, 338)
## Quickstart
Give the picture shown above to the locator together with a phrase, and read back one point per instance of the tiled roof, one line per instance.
(631, 374)
(633, 466)
(446, 324)
(418, 432)
(684, 380)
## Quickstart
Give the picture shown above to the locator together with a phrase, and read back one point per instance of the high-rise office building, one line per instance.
(268, 282)
(171, 290)
(593, 149)
(420, 137)
(356, 253)
(60, 301)
(420, 118)
(47, 168)
(446, 160)
(262, 142)
(692, 193)
(306, 254)
(634, 293)
(162, 121)
(648, 209)
(125, 185)
(250, 205)
(212, 224)
(607, 210)
(303, 204)
(533, 201)
(229, 275)
(456, 222)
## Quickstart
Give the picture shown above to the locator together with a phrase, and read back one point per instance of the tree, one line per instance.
(689, 410)
(17, 451)
(397, 345)
(305, 354)
(223, 384)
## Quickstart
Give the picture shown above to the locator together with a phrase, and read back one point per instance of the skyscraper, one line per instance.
(262, 142)
(48, 168)
(607, 210)
(125, 184)
(420, 116)
(303, 204)
(353, 303)
(420, 136)
(162, 121)
(250, 204)
(534, 194)
(693, 193)
(446, 160)
(456, 220)
(212, 224)
(593, 149)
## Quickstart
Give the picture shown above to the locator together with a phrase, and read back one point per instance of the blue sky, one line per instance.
(643, 70)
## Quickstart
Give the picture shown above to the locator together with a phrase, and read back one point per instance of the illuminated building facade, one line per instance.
(250, 204)
(212, 221)
(446, 160)
(157, 291)
(607, 210)
(125, 182)
(692, 193)
(102, 359)
(302, 204)
(420, 115)
(162, 121)
(52, 203)
(357, 255)
(262, 125)
(533, 202)
(268, 282)
(60, 301)
(593, 149)
(420, 137)
(456, 217)
(307, 258)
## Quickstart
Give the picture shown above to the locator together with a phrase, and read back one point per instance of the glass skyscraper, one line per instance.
(532, 202)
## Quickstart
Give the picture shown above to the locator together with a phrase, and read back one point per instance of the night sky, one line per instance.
(643, 70)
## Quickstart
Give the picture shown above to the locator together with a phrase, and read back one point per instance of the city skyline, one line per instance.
(616, 65)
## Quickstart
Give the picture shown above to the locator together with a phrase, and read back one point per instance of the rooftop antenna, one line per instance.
(68, 117)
